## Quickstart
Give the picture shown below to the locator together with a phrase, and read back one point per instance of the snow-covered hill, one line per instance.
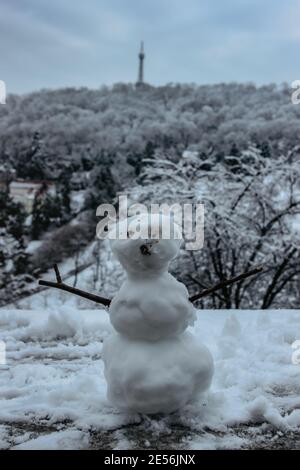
(53, 392)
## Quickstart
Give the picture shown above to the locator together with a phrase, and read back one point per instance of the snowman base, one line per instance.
(156, 376)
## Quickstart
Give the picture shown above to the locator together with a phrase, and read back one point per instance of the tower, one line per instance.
(141, 65)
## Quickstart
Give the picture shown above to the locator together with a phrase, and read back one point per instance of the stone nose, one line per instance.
(146, 247)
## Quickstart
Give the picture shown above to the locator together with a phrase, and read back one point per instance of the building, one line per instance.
(25, 191)
(140, 81)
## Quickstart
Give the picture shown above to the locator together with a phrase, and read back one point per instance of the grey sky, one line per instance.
(93, 42)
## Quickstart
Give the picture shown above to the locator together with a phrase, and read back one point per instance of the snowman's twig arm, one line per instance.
(62, 286)
(225, 283)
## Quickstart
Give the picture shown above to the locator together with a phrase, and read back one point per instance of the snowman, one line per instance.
(152, 364)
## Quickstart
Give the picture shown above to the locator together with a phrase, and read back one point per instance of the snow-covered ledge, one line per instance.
(53, 393)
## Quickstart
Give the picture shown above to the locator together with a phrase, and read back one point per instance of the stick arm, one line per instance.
(62, 286)
(226, 282)
(106, 302)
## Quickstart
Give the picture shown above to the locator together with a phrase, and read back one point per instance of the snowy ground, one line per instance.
(52, 391)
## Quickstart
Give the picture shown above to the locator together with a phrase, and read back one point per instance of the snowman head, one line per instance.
(152, 241)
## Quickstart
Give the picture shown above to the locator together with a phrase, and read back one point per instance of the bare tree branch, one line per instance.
(86, 295)
(57, 274)
(104, 301)
(203, 286)
(278, 273)
(226, 282)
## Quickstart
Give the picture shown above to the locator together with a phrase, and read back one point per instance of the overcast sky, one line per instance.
(57, 43)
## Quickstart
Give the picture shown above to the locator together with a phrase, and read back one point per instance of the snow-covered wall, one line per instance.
(53, 392)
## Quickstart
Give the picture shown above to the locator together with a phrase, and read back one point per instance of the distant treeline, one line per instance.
(119, 123)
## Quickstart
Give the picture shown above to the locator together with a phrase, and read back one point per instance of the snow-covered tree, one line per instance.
(46, 212)
(251, 208)
(13, 257)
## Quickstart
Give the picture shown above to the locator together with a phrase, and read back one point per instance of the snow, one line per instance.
(156, 376)
(66, 440)
(151, 304)
(53, 391)
(152, 365)
(32, 246)
(77, 200)
(151, 309)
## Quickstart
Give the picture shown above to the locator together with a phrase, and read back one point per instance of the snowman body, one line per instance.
(151, 308)
(152, 365)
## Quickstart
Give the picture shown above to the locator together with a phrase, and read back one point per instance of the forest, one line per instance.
(159, 144)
